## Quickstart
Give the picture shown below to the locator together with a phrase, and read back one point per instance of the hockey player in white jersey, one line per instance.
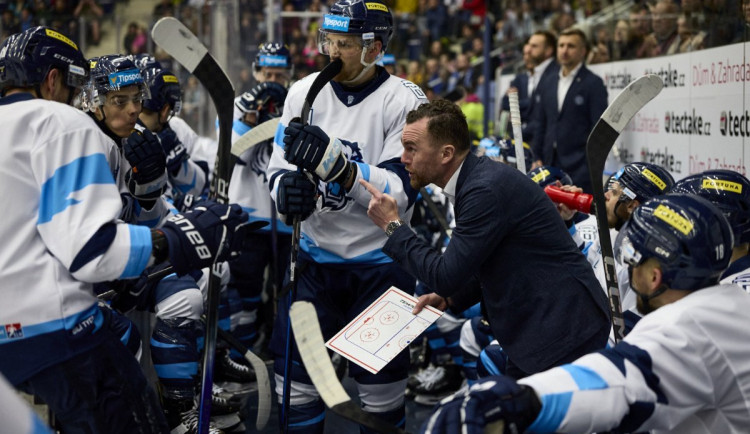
(356, 120)
(730, 192)
(684, 368)
(177, 301)
(55, 342)
(185, 176)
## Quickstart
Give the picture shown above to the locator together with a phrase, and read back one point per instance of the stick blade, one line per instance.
(258, 134)
(179, 42)
(318, 364)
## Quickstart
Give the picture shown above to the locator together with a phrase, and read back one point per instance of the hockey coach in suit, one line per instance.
(568, 106)
(510, 249)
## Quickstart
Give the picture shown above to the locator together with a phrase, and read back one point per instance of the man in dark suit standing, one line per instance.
(566, 109)
(509, 249)
(539, 61)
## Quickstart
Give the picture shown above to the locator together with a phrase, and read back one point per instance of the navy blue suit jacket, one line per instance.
(511, 249)
(560, 137)
(526, 102)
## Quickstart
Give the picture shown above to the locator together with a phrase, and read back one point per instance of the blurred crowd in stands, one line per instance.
(438, 44)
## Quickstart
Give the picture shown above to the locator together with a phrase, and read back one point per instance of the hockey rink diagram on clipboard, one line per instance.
(382, 330)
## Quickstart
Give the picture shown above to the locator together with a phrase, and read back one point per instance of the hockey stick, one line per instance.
(258, 134)
(180, 43)
(325, 76)
(600, 142)
(318, 364)
(515, 121)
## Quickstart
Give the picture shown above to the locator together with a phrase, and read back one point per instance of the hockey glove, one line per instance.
(296, 195)
(173, 148)
(310, 148)
(147, 178)
(209, 232)
(488, 401)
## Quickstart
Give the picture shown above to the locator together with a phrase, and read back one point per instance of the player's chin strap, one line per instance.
(646, 298)
(367, 66)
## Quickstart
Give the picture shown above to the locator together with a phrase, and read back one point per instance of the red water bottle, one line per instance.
(577, 201)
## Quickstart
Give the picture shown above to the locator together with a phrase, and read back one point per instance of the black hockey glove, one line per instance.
(310, 148)
(296, 196)
(489, 400)
(147, 178)
(210, 231)
(173, 148)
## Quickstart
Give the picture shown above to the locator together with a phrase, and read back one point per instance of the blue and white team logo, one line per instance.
(337, 23)
(334, 195)
(258, 159)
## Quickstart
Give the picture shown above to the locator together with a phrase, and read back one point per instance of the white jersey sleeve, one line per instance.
(684, 368)
(370, 124)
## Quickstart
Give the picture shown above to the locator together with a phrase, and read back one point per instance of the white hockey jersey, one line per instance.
(371, 122)
(684, 368)
(60, 232)
(248, 186)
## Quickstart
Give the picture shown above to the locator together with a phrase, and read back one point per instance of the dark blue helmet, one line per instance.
(729, 191)
(164, 89)
(111, 73)
(508, 153)
(27, 57)
(145, 61)
(265, 99)
(273, 55)
(370, 19)
(546, 175)
(689, 237)
(642, 181)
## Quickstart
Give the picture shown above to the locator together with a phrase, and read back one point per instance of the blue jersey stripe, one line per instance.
(278, 138)
(554, 409)
(185, 370)
(325, 257)
(585, 378)
(68, 179)
(140, 251)
(67, 323)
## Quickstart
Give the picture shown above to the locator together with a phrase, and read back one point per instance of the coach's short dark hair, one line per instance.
(549, 40)
(447, 123)
(572, 31)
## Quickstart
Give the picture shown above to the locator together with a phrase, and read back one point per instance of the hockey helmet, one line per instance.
(272, 55)
(546, 175)
(266, 100)
(642, 181)
(145, 61)
(689, 237)
(508, 153)
(164, 89)
(27, 57)
(727, 190)
(370, 19)
(112, 73)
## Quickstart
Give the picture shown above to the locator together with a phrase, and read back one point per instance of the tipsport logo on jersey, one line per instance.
(118, 80)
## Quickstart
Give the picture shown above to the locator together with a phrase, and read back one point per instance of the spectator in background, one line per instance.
(164, 8)
(9, 23)
(463, 75)
(567, 108)
(624, 44)
(640, 28)
(436, 16)
(664, 22)
(691, 37)
(92, 14)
